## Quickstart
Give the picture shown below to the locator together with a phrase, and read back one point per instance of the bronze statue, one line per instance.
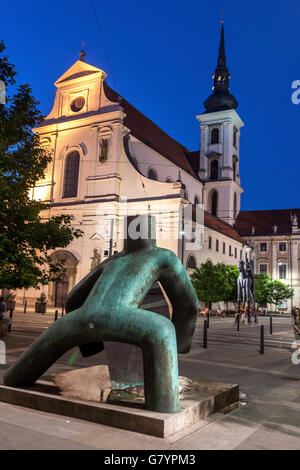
(105, 306)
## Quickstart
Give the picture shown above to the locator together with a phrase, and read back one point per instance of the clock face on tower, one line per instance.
(77, 104)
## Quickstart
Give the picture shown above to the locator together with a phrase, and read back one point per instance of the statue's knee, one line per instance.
(164, 333)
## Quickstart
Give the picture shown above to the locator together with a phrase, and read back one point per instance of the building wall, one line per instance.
(273, 257)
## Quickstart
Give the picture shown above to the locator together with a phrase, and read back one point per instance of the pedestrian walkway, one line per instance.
(268, 416)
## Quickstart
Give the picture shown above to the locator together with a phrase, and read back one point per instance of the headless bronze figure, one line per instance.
(105, 306)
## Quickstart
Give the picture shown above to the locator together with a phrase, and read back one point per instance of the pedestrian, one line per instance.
(2, 308)
(296, 325)
(243, 314)
(220, 312)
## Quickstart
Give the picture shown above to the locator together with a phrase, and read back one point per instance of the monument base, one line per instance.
(199, 399)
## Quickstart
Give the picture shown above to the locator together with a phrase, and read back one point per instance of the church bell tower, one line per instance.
(220, 142)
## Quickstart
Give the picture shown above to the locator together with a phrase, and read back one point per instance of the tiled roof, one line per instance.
(150, 134)
(222, 227)
(264, 221)
(219, 225)
(194, 159)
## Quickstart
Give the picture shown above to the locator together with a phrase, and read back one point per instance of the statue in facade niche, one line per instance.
(294, 220)
(105, 306)
(96, 259)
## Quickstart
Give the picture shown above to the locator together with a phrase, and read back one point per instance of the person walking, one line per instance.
(243, 314)
(2, 308)
(296, 325)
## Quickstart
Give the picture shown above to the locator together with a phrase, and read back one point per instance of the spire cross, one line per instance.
(82, 54)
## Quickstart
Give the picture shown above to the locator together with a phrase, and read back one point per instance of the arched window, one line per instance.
(169, 179)
(191, 262)
(215, 136)
(71, 174)
(214, 170)
(152, 175)
(235, 206)
(214, 202)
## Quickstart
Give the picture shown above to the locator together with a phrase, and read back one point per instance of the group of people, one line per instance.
(206, 311)
(242, 312)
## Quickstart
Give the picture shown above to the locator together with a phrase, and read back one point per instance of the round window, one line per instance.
(77, 104)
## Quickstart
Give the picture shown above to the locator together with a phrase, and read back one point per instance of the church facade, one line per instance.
(110, 160)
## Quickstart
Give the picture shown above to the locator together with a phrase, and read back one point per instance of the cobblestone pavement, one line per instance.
(268, 416)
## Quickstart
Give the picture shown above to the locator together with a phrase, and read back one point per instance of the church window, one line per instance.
(209, 243)
(235, 138)
(77, 104)
(263, 247)
(196, 200)
(235, 206)
(71, 174)
(282, 246)
(234, 170)
(169, 179)
(282, 271)
(214, 170)
(152, 175)
(263, 269)
(224, 248)
(214, 203)
(103, 153)
(235, 252)
(230, 250)
(191, 263)
(215, 136)
(217, 245)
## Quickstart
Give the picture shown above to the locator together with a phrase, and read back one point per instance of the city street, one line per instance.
(268, 416)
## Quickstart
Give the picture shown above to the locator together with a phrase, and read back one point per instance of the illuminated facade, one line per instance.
(109, 159)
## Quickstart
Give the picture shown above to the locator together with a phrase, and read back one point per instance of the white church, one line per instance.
(110, 159)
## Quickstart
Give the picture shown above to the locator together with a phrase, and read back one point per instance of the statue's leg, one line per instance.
(156, 336)
(154, 333)
(62, 335)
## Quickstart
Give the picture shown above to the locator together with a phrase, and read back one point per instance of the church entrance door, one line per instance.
(61, 291)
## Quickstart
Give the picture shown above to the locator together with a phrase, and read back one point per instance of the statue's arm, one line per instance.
(177, 284)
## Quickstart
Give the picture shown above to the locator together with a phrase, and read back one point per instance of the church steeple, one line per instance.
(221, 99)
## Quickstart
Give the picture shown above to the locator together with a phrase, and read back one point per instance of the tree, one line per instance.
(230, 293)
(26, 234)
(279, 291)
(262, 288)
(210, 282)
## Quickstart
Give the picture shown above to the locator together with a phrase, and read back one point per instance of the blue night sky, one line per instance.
(163, 54)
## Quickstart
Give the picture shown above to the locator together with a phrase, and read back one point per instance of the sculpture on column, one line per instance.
(105, 306)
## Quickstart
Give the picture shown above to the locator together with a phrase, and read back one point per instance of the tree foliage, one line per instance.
(262, 288)
(215, 282)
(27, 233)
(279, 291)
